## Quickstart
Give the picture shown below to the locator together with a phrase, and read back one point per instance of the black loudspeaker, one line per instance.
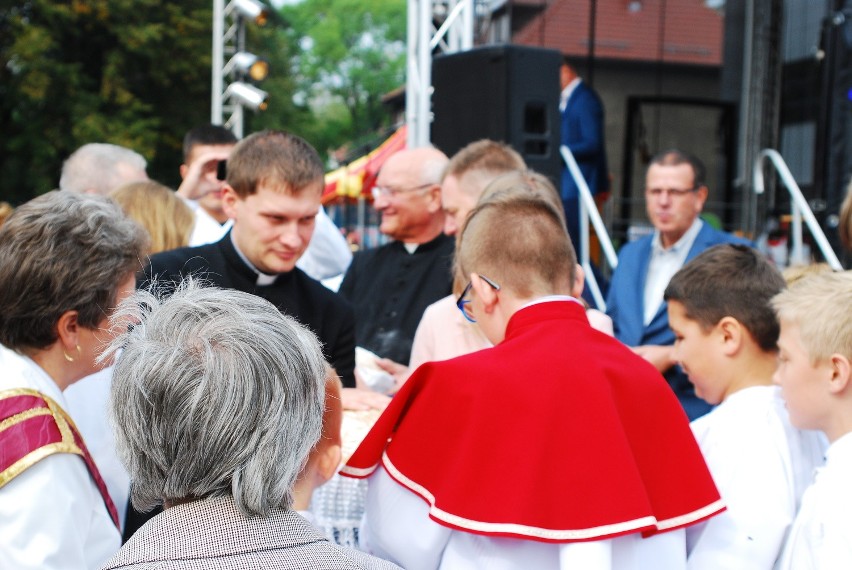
(506, 93)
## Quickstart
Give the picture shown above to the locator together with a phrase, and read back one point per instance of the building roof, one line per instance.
(672, 31)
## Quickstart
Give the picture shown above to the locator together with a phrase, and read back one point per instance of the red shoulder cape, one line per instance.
(32, 427)
(560, 433)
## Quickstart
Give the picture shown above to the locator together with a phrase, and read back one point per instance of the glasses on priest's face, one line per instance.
(382, 192)
(464, 304)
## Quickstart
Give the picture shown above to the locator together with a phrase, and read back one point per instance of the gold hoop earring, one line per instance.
(68, 358)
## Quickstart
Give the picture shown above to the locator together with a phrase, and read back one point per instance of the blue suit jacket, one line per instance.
(582, 131)
(625, 304)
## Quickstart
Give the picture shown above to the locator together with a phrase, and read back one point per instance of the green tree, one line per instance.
(348, 53)
(130, 72)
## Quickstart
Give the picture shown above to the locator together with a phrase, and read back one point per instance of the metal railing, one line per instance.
(589, 212)
(800, 209)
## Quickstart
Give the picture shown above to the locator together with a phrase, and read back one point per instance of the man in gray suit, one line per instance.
(217, 399)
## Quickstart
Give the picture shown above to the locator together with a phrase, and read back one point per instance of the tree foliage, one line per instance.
(137, 73)
(348, 54)
(129, 72)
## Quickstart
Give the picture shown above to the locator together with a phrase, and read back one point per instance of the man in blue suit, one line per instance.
(675, 192)
(582, 131)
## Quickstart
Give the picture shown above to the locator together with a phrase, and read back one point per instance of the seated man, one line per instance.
(217, 399)
(675, 192)
(557, 448)
(390, 286)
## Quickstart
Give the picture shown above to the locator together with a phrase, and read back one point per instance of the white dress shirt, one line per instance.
(821, 537)
(328, 255)
(206, 229)
(663, 265)
(565, 94)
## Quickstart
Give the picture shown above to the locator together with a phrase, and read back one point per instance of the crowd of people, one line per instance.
(181, 382)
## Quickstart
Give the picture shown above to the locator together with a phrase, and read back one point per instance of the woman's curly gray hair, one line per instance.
(214, 393)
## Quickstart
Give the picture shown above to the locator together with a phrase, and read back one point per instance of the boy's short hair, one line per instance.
(730, 281)
(274, 158)
(517, 237)
(523, 183)
(821, 306)
(793, 273)
(487, 156)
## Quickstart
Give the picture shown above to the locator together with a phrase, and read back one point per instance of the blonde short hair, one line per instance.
(487, 157)
(821, 306)
(516, 236)
(159, 210)
(793, 273)
(522, 184)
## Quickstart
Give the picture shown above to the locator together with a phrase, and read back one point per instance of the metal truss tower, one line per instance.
(433, 26)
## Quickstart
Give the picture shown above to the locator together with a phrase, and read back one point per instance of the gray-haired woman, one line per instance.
(216, 401)
(65, 260)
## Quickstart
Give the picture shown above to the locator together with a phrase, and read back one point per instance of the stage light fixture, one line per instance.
(247, 95)
(249, 64)
(250, 10)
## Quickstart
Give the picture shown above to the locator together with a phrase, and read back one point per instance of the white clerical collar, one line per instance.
(566, 93)
(685, 241)
(262, 278)
(410, 247)
(550, 299)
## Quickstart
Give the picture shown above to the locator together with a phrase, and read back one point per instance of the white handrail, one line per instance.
(799, 208)
(589, 211)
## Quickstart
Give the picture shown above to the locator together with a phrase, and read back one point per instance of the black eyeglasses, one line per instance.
(464, 304)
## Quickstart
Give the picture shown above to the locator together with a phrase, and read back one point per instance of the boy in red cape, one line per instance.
(557, 448)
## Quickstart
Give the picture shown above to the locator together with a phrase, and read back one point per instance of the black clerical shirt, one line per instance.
(295, 294)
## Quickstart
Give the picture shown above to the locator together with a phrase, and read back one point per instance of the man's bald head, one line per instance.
(408, 195)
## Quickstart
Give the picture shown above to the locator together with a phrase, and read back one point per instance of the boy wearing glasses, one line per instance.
(557, 448)
(675, 193)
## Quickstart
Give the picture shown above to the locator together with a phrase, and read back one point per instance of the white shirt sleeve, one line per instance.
(397, 527)
(53, 517)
